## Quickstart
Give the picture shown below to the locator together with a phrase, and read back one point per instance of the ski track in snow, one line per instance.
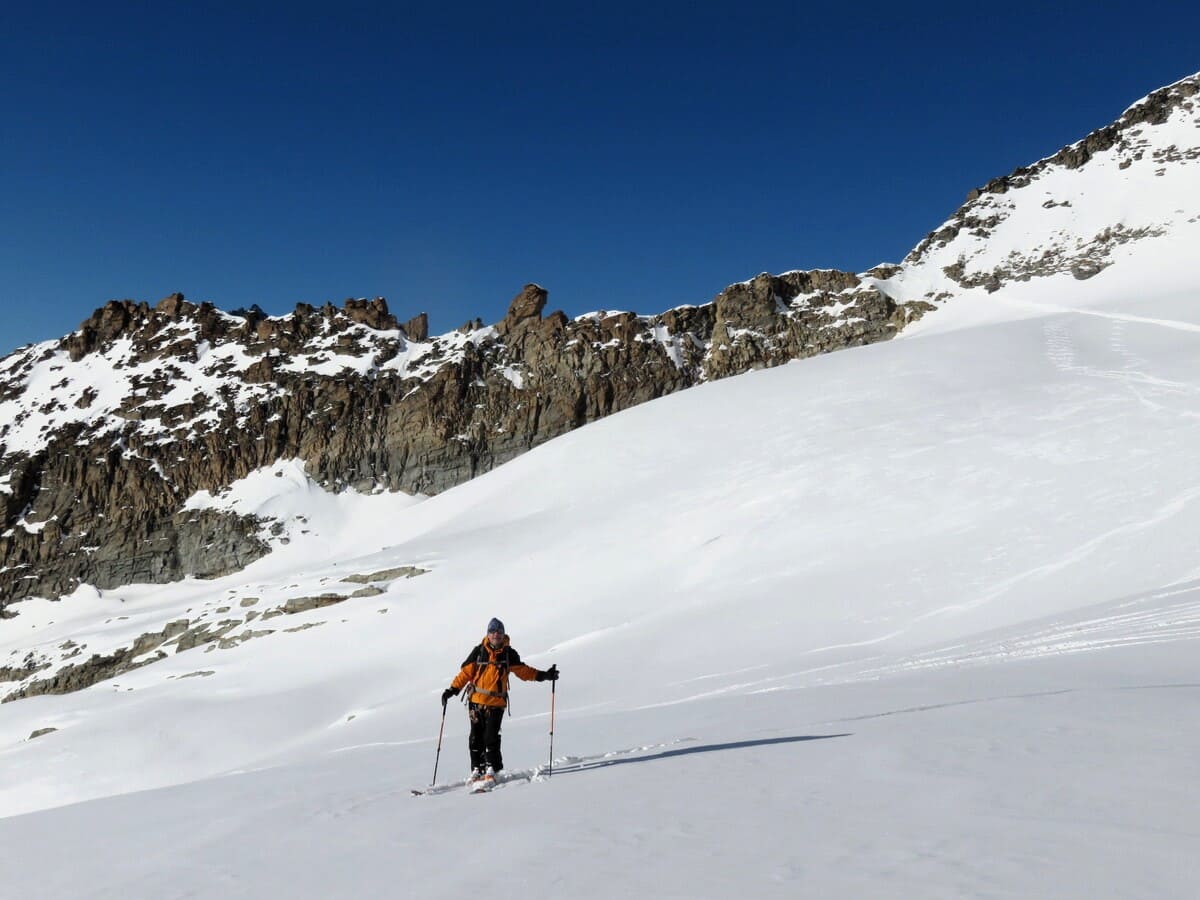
(1060, 350)
(1153, 619)
(563, 765)
(1001, 698)
(1074, 557)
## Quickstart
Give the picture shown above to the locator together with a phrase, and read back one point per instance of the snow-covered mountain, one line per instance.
(913, 619)
(106, 433)
(1089, 206)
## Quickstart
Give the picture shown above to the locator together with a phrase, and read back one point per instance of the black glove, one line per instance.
(447, 694)
(551, 674)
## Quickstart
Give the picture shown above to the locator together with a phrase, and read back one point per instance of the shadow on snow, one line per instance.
(687, 751)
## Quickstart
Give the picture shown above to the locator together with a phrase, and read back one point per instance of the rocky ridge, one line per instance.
(105, 434)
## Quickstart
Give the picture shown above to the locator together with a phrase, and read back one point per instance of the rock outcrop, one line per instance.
(219, 628)
(109, 431)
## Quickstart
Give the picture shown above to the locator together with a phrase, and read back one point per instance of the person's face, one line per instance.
(495, 638)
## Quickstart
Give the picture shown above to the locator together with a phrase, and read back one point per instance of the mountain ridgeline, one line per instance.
(106, 433)
(142, 407)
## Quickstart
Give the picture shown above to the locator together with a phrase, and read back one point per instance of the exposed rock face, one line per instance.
(105, 434)
(20, 673)
(81, 675)
(205, 630)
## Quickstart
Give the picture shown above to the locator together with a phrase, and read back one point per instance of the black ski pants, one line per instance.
(484, 742)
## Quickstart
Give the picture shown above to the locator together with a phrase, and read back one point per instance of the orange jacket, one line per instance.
(488, 669)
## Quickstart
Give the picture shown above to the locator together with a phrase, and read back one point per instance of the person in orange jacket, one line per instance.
(486, 669)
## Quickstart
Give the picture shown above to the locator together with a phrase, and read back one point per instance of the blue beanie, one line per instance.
(496, 625)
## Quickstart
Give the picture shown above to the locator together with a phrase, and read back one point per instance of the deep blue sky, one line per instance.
(624, 157)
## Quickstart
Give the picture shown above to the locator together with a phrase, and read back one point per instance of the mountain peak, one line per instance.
(1072, 212)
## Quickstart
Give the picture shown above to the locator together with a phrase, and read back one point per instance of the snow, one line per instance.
(56, 386)
(913, 619)
(259, 493)
(33, 527)
(284, 494)
(423, 360)
(1123, 189)
(670, 344)
(815, 623)
(58, 392)
(599, 315)
(513, 376)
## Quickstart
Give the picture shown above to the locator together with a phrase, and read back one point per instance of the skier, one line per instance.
(486, 670)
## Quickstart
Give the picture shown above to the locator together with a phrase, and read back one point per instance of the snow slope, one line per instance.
(918, 617)
(1095, 206)
(915, 619)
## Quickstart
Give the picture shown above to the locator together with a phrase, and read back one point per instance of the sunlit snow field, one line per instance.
(917, 619)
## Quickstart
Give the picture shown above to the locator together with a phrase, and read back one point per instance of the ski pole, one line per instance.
(438, 758)
(553, 685)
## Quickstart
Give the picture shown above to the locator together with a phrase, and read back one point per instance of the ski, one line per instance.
(435, 789)
(481, 785)
(473, 786)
